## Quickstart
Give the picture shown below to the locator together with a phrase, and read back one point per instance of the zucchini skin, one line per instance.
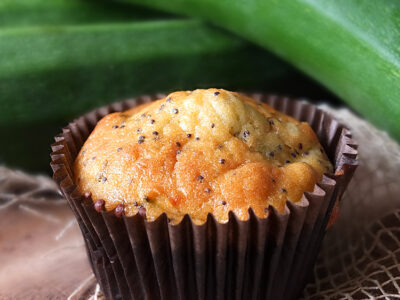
(28, 13)
(350, 46)
(52, 74)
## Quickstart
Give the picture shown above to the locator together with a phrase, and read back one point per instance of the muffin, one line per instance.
(204, 194)
(206, 151)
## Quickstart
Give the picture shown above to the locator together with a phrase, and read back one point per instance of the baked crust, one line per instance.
(200, 152)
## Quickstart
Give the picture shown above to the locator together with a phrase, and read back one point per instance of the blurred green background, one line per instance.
(62, 58)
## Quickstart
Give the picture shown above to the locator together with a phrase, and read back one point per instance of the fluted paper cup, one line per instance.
(260, 258)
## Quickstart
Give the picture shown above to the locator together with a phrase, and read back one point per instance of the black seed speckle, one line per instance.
(293, 154)
(189, 135)
(279, 147)
(273, 180)
(155, 132)
(223, 202)
(220, 146)
(246, 133)
(287, 161)
(200, 178)
(306, 153)
(168, 99)
(212, 125)
(216, 93)
(152, 121)
(178, 152)
(140, 141)
(115, 126)
(197, 138)
(222, 161)
(119, 149)
(271, 154)
(300, 146)
(283, 190)
(122, 126)
(178, 144)
(271, 122)
(175, 111)
(207, 190)
(139, 130)
(142, 137)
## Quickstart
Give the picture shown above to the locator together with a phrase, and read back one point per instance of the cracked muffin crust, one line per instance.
(206, 151)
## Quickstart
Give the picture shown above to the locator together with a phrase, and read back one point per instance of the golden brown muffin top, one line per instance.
(200, 152)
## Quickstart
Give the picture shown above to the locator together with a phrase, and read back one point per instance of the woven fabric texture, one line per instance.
(360, 257)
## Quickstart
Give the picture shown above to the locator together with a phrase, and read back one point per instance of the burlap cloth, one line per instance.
(42, 255)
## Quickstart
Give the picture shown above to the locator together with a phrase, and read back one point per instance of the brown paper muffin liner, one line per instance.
(268, 258)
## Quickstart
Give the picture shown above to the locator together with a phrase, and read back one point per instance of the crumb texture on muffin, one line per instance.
(206, 151)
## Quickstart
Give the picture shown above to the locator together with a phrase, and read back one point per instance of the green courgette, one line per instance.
(351, 46)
